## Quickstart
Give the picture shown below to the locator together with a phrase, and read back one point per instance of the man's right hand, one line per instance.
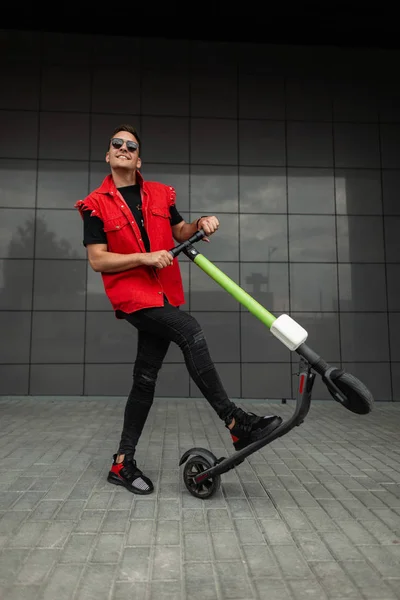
(159, 259)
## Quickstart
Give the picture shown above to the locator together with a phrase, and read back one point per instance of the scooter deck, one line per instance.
(306, 383)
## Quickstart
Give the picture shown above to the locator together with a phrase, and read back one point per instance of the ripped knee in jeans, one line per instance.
(198, 337)
(145, 377)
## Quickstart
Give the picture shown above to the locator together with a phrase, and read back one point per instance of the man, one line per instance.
(129, 226)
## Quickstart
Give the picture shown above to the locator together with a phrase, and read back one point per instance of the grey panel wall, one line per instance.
(295, 150)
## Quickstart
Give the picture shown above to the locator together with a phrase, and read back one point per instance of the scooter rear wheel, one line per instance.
(206, 488)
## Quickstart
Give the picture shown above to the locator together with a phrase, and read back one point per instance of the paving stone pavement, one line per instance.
(315, 514)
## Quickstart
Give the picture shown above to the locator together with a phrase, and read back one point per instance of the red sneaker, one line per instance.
(128, 475)
(249, 427)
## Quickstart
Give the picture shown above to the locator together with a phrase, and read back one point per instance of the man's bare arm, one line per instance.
(183, 231)
(103, 261)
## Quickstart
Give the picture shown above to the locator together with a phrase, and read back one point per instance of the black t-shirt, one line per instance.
(93, 226)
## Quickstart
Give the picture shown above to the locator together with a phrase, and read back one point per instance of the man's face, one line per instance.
(120, 156)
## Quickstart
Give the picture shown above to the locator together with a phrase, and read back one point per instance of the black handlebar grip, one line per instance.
(195, 238)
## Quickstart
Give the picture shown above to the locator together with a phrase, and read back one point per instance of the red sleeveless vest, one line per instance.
(140, 287)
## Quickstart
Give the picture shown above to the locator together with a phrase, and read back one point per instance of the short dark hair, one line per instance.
(129, 129)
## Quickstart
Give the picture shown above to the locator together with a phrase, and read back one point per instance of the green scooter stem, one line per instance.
(231, 287)
(259, 311)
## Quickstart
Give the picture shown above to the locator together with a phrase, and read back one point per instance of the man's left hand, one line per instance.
(209, 225)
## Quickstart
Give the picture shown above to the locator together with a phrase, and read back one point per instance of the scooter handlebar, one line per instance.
(195, 238)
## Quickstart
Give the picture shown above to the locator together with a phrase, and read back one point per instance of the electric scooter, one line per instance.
(202, 471)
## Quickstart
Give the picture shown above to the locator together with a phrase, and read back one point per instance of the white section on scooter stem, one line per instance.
(290, 333)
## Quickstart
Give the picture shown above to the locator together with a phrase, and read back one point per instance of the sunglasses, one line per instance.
(117, 143)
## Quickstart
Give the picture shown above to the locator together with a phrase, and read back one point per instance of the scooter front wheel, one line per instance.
(354, 395)
(206, 488)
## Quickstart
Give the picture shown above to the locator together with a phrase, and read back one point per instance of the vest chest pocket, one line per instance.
(116, 224)
(159, 211)
(119, 236)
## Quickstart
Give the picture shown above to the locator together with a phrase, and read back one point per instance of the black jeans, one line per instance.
(157, 328)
